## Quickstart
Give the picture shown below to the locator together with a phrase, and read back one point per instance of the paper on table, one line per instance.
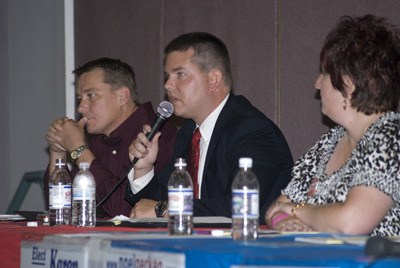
(357, 240)
(8, 217)
(210, 219)
(319, 240)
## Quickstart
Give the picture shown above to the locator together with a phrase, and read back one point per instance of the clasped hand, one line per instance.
(65, 134)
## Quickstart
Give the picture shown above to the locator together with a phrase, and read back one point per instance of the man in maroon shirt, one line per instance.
(112, 117)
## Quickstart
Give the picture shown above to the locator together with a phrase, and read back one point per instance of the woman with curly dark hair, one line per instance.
(349, 181)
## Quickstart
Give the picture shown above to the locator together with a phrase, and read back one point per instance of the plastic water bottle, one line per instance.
(84, 197)
(245, 202)
(60, 195)
(180, 200)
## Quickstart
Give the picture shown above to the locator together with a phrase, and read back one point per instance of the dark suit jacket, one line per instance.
(240, 131)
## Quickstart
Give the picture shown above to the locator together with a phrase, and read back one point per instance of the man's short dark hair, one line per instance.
(116, 73)
(209, 52)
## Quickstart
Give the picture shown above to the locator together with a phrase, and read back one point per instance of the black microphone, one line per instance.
(380, 247)
(164, 111)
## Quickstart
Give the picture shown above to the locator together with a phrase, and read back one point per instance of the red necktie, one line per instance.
(193, 167)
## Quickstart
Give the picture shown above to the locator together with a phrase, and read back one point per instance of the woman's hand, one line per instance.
(284, 206)
(281, 216)
(291, 224)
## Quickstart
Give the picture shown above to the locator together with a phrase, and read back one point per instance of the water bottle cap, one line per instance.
(84, 165)
(180, 162)
(245, 162)
(60, 162)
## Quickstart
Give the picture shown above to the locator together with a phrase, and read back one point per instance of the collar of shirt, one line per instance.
(124, 131)
(208, 125)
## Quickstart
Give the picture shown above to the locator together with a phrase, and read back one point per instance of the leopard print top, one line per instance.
(374, 162)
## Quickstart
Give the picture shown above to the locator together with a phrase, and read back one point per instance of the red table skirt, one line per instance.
(11, 234)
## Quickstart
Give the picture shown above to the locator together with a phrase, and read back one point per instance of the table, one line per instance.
(268, 251)
(201, 250)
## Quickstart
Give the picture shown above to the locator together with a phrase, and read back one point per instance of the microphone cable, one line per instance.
(164, 111)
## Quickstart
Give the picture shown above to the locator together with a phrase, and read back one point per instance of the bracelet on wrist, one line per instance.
(295, 207)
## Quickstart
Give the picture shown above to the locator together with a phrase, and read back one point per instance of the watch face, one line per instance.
(74, 154)
(160, 209)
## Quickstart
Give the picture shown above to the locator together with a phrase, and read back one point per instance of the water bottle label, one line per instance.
(180, 201)
(84, 194)
(245, 203)
(67, 194)
(59, 196)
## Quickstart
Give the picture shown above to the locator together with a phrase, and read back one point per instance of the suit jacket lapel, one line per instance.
(216, 135)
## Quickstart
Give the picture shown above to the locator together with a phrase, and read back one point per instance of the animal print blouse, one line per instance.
(374, 162)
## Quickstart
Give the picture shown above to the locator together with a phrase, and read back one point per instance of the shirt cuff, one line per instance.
(139, 183)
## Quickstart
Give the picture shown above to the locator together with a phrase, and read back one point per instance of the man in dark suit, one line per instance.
(198, 82)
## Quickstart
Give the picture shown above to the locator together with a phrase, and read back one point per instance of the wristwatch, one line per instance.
(75, 154)
(161, 208)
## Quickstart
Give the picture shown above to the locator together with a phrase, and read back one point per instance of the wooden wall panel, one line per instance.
(128, 30)
(303, 26)
(274, 46)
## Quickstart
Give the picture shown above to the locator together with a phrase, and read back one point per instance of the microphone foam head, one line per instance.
(165, 109)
